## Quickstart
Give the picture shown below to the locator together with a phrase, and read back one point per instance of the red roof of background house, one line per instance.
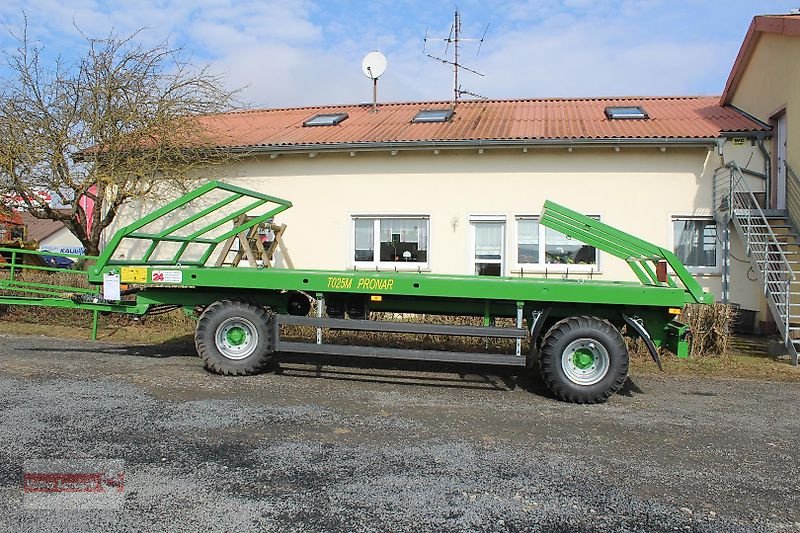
(483, 120)
(783, 24)
(11, 218)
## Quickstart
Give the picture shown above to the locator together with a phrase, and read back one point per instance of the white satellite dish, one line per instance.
(373, 65)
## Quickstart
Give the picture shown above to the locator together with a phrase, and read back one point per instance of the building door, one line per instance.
(488, 246)
(780, 168)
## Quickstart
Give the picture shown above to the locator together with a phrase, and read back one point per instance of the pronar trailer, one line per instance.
(175, 257)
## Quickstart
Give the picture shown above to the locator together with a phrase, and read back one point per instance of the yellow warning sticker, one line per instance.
(133, 275)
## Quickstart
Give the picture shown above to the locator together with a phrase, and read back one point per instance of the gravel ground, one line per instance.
(394, 447)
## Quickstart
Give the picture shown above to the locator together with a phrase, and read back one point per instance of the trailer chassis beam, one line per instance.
(318, 322)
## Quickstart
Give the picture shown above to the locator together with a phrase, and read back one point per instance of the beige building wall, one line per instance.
(638, 190)
(770, 82)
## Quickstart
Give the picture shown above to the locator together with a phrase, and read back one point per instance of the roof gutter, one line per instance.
(754, 119)
(467, 144)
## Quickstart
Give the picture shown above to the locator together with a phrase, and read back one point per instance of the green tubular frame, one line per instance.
(17, 266)
(169, 234)
(27, 293)
(641, 256)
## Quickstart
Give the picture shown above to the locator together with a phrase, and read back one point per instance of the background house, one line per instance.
(52, 236)
(423, 187)
(12, 228)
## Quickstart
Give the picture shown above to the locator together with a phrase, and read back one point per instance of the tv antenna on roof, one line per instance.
(455, 39)
(373, 65)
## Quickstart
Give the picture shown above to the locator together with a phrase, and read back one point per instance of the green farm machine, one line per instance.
(175, 258)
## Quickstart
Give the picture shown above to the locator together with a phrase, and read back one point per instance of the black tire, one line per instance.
(584, 360)
(234, 338)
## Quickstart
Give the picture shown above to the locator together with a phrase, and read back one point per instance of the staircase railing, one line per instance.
(792, 196)
(735, 201)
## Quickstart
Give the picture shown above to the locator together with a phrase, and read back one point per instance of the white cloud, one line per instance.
(306, 52)
(584, 61)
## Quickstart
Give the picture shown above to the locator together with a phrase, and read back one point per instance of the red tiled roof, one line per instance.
(10, 218)
(783, 24)
(492, 120)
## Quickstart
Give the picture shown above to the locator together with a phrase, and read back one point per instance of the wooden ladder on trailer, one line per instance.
(254, 245)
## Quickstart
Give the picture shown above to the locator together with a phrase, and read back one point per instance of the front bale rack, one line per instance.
(175, 256)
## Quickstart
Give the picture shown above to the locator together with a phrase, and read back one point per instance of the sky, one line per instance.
(305, 53)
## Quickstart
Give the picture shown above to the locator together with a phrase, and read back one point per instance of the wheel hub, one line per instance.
(236, 336)
(583, 358)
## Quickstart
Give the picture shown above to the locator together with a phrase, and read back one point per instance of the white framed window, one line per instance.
(541, 248)
(695, 243)
(390, 242)
(487, 236)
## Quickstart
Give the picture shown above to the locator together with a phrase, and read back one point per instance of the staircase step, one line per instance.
(770, 225)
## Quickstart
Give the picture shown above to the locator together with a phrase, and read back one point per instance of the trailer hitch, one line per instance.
(637, 324)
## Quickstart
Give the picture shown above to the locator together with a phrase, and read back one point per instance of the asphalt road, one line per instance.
(341, 447)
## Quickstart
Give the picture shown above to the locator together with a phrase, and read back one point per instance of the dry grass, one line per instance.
(74, 323)
(747, 358)
(69, 278)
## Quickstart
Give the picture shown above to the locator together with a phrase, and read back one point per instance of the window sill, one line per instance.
(555, 269)
(704, 273)
(390, 268)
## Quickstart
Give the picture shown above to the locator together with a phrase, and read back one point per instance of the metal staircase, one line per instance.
(772, 245)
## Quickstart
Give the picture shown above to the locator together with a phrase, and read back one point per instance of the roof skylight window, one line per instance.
(325, 119)
(626, 112)
(433, 115)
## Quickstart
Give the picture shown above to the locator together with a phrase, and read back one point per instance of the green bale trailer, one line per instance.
(171, 258)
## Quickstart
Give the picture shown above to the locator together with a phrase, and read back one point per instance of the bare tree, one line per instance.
(111, 127)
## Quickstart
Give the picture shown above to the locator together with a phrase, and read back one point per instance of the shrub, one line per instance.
(711, 327)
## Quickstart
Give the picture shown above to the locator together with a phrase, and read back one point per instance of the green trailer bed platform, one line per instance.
(170, 258)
